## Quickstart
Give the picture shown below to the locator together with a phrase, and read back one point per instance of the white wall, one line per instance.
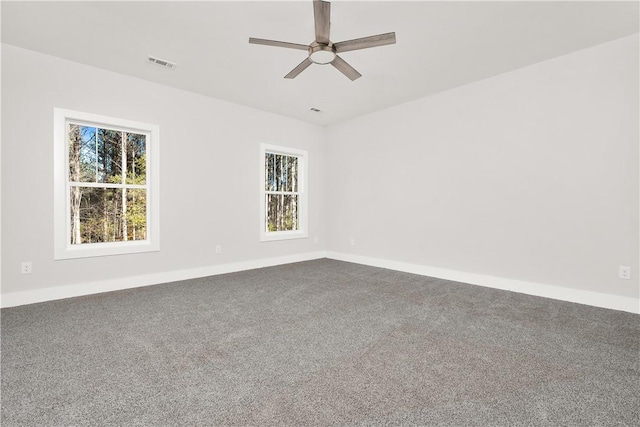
(531, 176)
(209, 175)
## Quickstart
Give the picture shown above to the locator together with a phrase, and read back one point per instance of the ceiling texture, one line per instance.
(440, 45)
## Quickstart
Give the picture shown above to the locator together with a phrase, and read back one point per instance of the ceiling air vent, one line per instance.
(161, 62)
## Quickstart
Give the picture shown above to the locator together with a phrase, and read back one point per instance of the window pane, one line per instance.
(278, 172)
(136, 158)
(293, 174)
(282, 212)
(82, 153)
(286, 181)
(135, 226)
(269, 160)
(96, 215)
(109, 148)
(291, 212)
(283, 173)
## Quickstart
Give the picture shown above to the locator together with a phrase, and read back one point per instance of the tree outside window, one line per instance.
(107, 178)
(284, 199)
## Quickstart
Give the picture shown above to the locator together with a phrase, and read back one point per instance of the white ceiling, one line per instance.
(440, 45)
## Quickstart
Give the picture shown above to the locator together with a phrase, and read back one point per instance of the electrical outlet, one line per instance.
(25, 267)
(218, 249)
(352, 241)
(316, 240)
(624, 272)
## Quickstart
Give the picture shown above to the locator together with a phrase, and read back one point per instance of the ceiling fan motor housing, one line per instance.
(321, 53)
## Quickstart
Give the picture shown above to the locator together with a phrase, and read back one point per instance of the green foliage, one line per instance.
(103, 214)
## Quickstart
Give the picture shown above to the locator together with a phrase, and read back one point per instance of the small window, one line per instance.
(283, 193)
(106, 171)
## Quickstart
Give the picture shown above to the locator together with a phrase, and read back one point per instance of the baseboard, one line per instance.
(615, 302)
(595, 299)
(13, 299)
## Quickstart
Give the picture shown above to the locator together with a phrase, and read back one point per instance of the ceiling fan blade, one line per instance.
(276, 43)
(365, 42)
(321, 16)
(345, 68)
(300, 68)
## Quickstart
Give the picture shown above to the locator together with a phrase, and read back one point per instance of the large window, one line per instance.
(284, 199)
(105, 185)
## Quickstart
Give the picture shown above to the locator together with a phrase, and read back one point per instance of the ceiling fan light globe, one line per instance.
(322, 56)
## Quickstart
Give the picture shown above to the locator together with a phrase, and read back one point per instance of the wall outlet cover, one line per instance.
(26, 267)
(624, 272)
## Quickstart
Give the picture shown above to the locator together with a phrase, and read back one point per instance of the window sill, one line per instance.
(283, 235)
(88, 250)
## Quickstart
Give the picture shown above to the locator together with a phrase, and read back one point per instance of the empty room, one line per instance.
(256, 213)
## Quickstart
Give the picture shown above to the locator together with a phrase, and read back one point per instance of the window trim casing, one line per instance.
(303, 172)
(63, 249)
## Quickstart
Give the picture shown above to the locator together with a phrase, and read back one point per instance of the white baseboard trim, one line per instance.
(596, 299)
(13, 299)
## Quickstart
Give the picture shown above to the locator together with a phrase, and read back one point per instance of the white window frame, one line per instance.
(302, 231)
(63, 249)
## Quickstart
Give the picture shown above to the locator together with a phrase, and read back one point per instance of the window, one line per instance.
(283, 193)
(106, 183)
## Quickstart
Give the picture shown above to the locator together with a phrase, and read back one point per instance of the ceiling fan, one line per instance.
(322, 51)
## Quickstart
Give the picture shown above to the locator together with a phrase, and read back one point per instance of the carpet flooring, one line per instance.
(318, 343)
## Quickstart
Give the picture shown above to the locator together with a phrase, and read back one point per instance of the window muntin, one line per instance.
(106, 173)
(283, 197)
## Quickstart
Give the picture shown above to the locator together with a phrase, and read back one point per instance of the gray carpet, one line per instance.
(318, 343)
